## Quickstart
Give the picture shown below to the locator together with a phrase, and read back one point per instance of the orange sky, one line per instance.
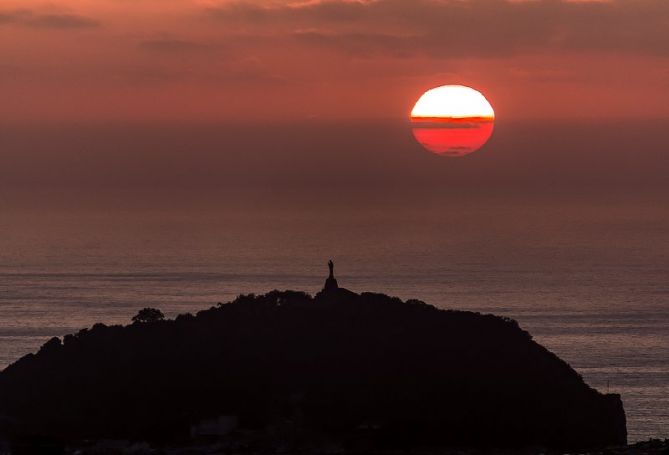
(210, 61)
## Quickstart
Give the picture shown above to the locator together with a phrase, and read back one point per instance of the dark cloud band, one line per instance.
(30, 18)
(454, 28)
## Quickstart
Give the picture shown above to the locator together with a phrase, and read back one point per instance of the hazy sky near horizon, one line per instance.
(204, 61)
(329, 163)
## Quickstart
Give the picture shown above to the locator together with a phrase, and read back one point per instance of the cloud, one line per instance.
(168, 45)
(363, 44)
(455, 28)
(211, 61)
(11, 17)
(329, 10)
(46, 20)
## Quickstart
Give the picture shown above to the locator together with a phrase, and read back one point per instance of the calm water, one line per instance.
(588, 280)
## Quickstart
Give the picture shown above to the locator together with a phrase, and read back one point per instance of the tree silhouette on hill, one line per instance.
(148, 315)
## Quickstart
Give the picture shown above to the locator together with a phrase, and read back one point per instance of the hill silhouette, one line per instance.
(341, 364)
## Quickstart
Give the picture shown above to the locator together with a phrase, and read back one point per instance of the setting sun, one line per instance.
(452, 120)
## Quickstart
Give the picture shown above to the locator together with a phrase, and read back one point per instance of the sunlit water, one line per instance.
(588, 282)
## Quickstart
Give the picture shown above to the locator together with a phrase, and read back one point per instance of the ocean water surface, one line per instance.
(587, 280)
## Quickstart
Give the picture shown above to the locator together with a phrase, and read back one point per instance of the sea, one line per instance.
(585, 270)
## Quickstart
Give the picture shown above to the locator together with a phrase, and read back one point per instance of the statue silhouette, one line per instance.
(331, 282)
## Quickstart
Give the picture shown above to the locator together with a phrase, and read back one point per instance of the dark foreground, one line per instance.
(287, 373)
(651, 447)
(107, 447)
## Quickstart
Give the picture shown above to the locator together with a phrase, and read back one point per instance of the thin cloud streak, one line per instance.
(176, 46)
(29, 18)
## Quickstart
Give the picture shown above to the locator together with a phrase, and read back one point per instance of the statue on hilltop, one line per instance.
(331, 282)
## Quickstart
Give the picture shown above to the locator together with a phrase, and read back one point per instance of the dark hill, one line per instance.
(408, 373)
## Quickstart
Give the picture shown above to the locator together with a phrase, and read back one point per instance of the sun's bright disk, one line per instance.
(452, 120)
(452, 101)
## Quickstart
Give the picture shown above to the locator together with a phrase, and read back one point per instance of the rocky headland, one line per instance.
(345, 371)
